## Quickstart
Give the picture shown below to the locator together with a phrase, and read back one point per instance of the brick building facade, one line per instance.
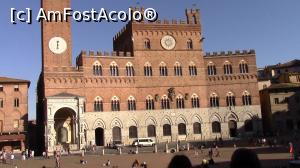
(13, 113)
(158, 82)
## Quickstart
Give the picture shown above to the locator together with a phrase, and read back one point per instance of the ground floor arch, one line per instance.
(232, 126)
(65, 125)
(99, 137)
(117, 134)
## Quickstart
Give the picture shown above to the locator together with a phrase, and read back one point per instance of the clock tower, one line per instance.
(56, 37)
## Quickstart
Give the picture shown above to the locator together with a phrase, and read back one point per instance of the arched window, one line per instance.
(230, 99)
(163, 70)
(192, 69)
(114, 70)
(98, 104)
(197, 128)
(189, 44)
(129, 69)
(181, 129)
(177, 69)
(151, 131)
(165, 102)
(246, 98)
(133, 133)
(16, 102)
(180, 102)
(131, 103)
(167, 130)
(195, 101)
(149, 103)
(248, 125)
(147, 44)
(214, 100)
(211, 69)
(97, 69)
(115, 104)
(227, 68)
(243, 67)
(147, 69)
(216, 127)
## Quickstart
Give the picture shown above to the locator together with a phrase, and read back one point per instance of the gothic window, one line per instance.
(195, 101)
(133, 133)
(97, 69)
(151, 130)
(147, 44)
(189, 44)
(114, 70)
(177, 69)
(216, 127)
(211, 69)
(115, 104)
(197, 128)
(16, 102)
(230, 99)
(149, 103)
(129, 69)
(98, 104)
(181, 129)
(227, 68)
(192, 69)
(131, 103)
(165, 102)
(163, 70)
(1, 103)
(167, 130)
(1, 88)
(246, 98)
(180, 102)
(214, 100)
(147, 69)
(243, 67)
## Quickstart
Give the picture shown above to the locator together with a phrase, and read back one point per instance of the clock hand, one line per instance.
(57, 45)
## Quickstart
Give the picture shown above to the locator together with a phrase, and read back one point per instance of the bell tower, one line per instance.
(56, 37)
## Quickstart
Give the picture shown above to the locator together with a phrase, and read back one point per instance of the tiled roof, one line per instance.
(284, 86)
(12, 80)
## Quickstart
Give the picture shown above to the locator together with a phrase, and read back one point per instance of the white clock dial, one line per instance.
(57, 45)
(168, 42)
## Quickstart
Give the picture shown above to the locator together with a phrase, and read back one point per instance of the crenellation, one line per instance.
(91, 53)
(229, 53)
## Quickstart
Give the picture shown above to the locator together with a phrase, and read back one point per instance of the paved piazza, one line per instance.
(269, 157)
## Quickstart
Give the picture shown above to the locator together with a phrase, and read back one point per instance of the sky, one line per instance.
(271, 27)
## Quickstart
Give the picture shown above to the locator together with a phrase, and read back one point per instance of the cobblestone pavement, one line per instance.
(270, 158)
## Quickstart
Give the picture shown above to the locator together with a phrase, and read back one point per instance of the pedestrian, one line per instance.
(210, 153)
(107, 164)
(82, 161)
(4, 157)
(57, 161)
(217, 152)
(291, 150)
(44, 155)
(135, 164)
(144, 165)
(12, 157)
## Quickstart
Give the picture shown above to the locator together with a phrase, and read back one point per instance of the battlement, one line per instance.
(105, 53)
(193, 18)
(229, 53)
(124, 29)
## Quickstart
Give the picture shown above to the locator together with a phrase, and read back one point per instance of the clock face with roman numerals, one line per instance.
(57, 45)
(168, 42)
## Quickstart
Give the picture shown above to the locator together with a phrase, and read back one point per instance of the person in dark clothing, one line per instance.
(180, 161)
(244, 158)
